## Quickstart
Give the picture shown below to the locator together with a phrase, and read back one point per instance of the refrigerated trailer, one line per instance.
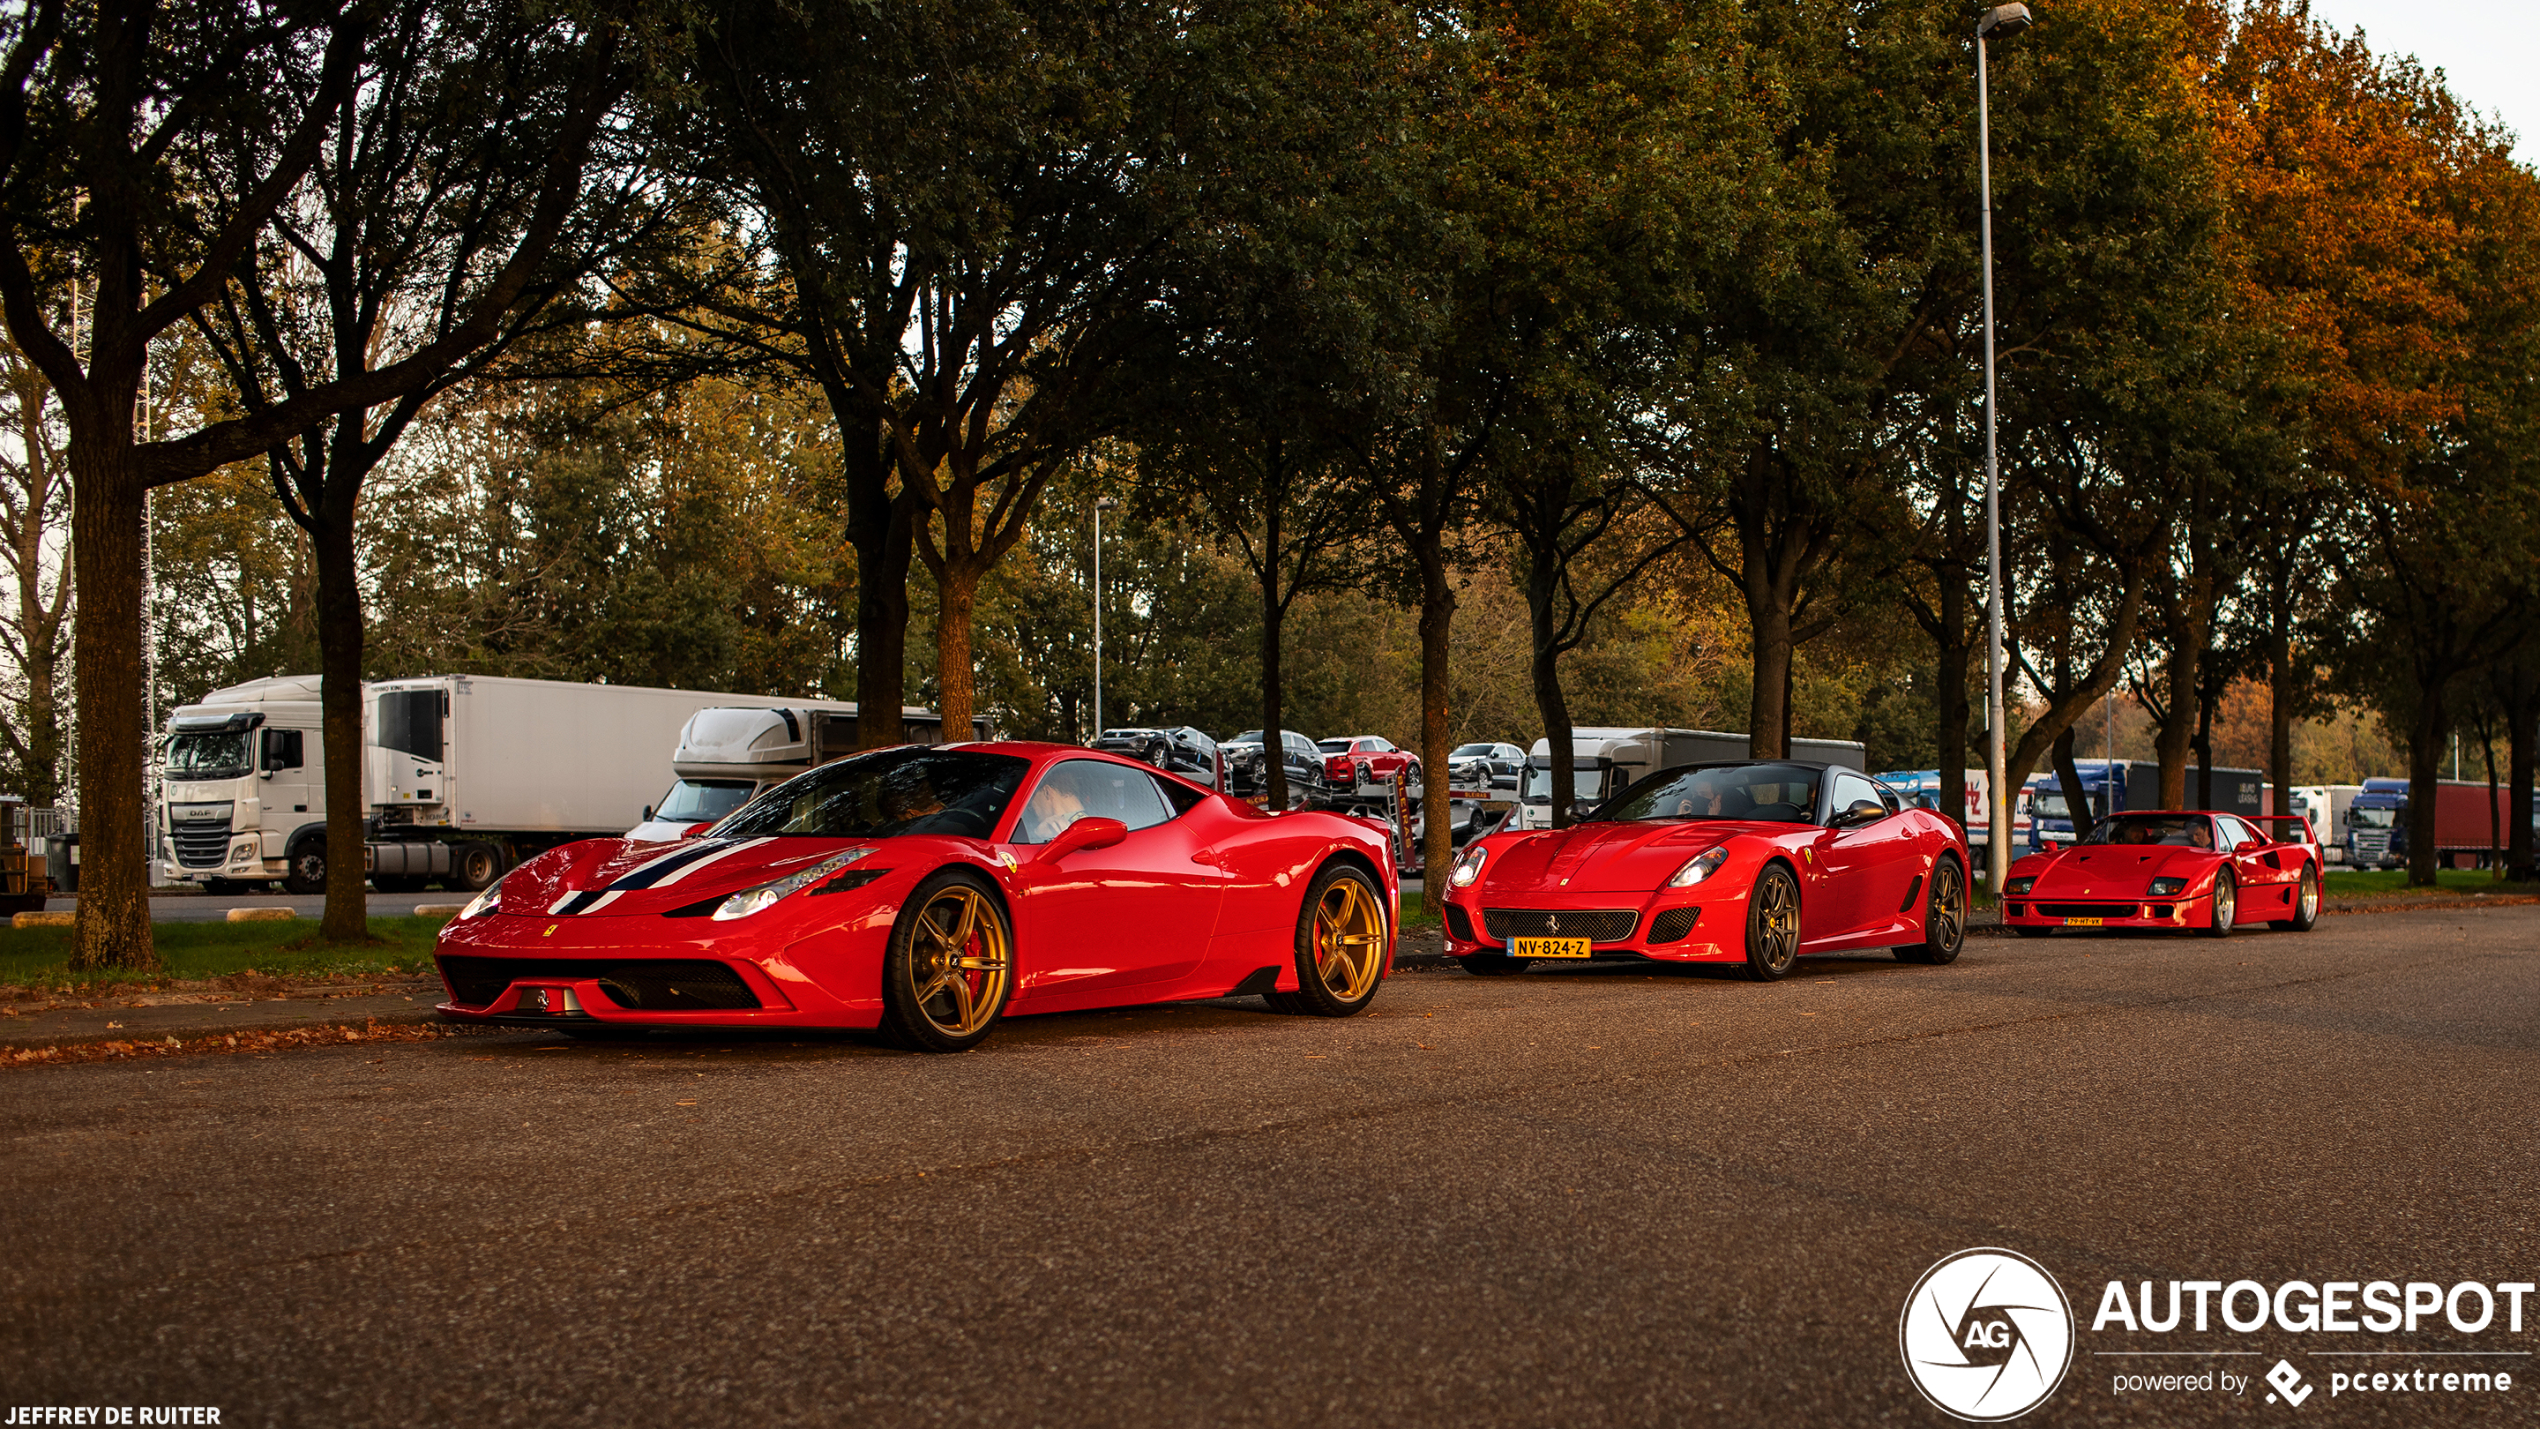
(463, 776)
(729, 756)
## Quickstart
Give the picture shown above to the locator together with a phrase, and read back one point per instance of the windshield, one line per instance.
(1776, 793)
(2184, 830)
(1462, 750)
(2372, 818)
(695, 801)
(1333, 746)
(1250, 736)
(885, 794)
(208, 756)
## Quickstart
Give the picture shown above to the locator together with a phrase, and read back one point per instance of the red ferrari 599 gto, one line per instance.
(1743, 863)
(929, 891)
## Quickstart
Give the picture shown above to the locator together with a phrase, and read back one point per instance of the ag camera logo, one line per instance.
(1987, 1335)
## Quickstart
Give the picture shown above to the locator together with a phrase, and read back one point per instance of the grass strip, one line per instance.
(190, 952)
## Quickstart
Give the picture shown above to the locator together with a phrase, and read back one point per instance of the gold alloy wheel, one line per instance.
(960, 956)
(1777, 921)
(1349, 939)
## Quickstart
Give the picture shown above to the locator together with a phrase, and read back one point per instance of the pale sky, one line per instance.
(2488, 50)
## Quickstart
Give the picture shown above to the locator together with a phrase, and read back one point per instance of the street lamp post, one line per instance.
(1100, 506)
(2002, 21)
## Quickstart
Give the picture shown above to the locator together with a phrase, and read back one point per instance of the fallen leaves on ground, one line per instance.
(246, 1040)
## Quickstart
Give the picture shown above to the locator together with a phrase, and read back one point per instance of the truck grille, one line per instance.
(200, 845)
(645, 984)
(1597, 925)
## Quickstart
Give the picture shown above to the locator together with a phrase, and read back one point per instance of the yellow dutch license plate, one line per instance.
(1548, 947)
(2085, 922)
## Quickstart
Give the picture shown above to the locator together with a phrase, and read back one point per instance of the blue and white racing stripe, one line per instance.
(653, 873)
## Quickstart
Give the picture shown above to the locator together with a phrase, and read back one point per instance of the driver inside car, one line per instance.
(1052, 809)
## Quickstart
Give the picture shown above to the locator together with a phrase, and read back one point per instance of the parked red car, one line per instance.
(1756, 863)
(2202, 870)
(1365, 759)
(928, 892)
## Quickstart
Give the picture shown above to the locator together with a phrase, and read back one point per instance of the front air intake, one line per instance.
(644, 984)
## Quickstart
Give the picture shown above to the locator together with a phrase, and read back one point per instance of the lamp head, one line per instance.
(1106, 504)
(2003, 21)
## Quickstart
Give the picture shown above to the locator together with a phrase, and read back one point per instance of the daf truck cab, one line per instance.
(243, 788)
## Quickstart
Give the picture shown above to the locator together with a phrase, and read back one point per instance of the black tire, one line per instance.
(929, 1003)
(1344, 942)
(1944, 918)
(2226, 904)
(1364, 777)
(2306, 904)
(473, 868)
(1491, 964)
(305, 870)
(1772, 925)
(2026, 931)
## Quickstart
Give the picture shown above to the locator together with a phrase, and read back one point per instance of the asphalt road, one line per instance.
(1603, 1195)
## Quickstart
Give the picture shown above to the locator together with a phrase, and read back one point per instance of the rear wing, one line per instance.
(2284, 828)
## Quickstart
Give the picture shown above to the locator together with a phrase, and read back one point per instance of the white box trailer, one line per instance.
(1604, 761)
(470, 774)
(727, 756)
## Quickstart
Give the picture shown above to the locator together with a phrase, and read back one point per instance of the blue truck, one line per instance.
(2116, 786)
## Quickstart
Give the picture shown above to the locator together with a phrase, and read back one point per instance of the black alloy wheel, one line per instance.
(1772, 924)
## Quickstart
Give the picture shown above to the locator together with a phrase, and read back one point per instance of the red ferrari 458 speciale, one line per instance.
(1755, 863)
(928, 891)
(2206, 871)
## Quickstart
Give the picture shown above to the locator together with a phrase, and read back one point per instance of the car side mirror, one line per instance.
(696, 831)
(648, 815)
(2248, 845)
(1863, 811)
(1081, 835)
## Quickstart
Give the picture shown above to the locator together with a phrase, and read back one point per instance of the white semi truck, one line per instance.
(464, 776)
(1604, 761)
(728, 756)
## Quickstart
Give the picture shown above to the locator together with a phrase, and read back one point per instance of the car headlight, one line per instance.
(1468, 868)
(489, 901)
(2018, 885)
(1699, 867)
(752, 900)
(2168, 887)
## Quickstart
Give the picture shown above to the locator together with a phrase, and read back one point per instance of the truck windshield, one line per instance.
(886, 794)
(1775, 793)
(2372, 818)
(209, 756)
(694, 801)
(1586, 782)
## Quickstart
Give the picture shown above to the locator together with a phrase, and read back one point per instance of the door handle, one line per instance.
(1207, 856)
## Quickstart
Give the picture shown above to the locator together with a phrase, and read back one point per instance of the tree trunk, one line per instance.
(2495, 826)
(1437, 620)
(2068, 774)
(1768, 627)
(957, 593)
(106, 515)
(2178, 717)
(884, 546)
(2425, 771)
(2520, 687)
(1552, 705)
(339, 602)
(1274, 754)
(2280, 697)
(2204, 743)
